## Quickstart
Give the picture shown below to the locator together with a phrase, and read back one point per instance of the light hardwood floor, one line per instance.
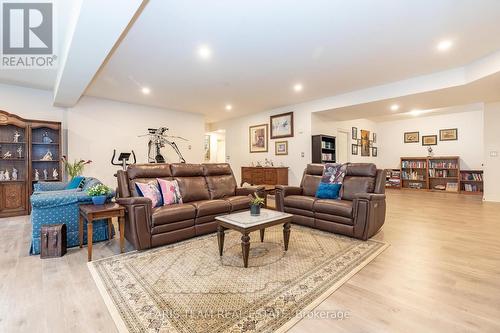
(440, 274)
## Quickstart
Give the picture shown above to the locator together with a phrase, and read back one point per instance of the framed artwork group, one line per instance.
(363, 144)
(449, 134)
(281, 127)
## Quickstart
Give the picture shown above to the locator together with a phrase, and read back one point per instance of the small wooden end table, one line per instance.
(246, 223)
(107, 211)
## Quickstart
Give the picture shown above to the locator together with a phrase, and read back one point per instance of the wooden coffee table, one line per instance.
(246, 223)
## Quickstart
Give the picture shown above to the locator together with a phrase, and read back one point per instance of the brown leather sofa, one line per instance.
(207, 190)
(360, 213)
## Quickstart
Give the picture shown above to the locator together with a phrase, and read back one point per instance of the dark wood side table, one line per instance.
(107, 211)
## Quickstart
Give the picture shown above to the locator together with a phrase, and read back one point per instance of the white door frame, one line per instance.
(348, 136)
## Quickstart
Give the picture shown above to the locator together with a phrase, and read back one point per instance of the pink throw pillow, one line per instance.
(150, 190)
(170, 191)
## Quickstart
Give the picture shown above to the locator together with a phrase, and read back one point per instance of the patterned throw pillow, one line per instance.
(150, 190)
(334, 173)
(170, 191)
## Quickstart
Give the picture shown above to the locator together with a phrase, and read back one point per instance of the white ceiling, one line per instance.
(261, 48)
(461, 98)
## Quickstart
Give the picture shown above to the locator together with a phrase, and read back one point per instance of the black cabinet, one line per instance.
(323, 149)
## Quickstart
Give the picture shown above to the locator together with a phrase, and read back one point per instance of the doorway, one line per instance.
(342, 146)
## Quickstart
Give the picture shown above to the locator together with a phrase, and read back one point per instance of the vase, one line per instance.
(99, 200)
(255, 210)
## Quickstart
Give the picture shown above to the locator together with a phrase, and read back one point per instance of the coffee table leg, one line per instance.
(220, 239)
(245, 247)
(262, 231)
(80, 231)
(286, 234)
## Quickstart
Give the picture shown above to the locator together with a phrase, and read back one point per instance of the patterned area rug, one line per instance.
(187, 287)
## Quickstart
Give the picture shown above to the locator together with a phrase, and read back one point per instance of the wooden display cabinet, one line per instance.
(19, 153)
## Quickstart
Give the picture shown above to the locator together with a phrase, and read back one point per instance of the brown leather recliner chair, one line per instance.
(360, 213)
(207, 190)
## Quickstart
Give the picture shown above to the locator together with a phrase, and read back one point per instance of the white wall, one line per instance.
(97, 126)
(237, 145)
(322, 125)
(468, 146)
(492, 152)
(94, 127)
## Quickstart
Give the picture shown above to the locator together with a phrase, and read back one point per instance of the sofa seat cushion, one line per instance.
(211, 207)
(334, 207)
(300, 202)
(173, 213)
(239, 202)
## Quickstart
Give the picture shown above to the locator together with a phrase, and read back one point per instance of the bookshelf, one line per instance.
(471, 182)
(393, 178)
(323, 149)
(444, 174)
(414, 173)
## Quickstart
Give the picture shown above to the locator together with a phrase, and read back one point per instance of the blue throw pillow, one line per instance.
(328, 191)
(75, 183)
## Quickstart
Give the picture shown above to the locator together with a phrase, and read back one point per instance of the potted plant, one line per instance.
(255, 203)
(99, 193)
(76, 168)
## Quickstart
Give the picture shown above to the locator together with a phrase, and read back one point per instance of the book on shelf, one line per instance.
(413, 175)
(452, 187)
(413, 164)
(415, 185)
(327, 156)
(327, 145)
(443, 165)
(472, 176)
(471, 188)
(440, 173)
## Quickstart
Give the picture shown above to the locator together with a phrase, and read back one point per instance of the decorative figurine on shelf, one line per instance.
(45, 174)
(20, 152)
(14, 174)
(7, 155)
(2, 175)
(268, 163)
(7, 175)
(16, 137)
(47, 156)
(37, 175)
(258, 165)
(46, 138)
(55, 174)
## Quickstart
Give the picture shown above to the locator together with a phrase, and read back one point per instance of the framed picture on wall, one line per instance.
(354, 149)
(412, 137)
(281, 148)
(429, 140)
(354, 133)
(282, 125)
(365, 143)
(258, 138)
(449, 134)
(206, 148)
(374, 151)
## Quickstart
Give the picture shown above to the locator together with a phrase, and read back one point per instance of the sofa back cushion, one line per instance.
(192, 182)
(311, 179)
(220, 180)
(360, 178)
(144, 173)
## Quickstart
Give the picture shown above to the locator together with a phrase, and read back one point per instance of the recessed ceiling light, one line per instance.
(298, 87)
(146, 90)
(394, 107)
(229, 107)
(444, 45)
(204, 52)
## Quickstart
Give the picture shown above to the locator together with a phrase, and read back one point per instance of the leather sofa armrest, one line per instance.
(369, 214)
(283, 191)
(259, 190)
(138, 221)
(370, 196)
